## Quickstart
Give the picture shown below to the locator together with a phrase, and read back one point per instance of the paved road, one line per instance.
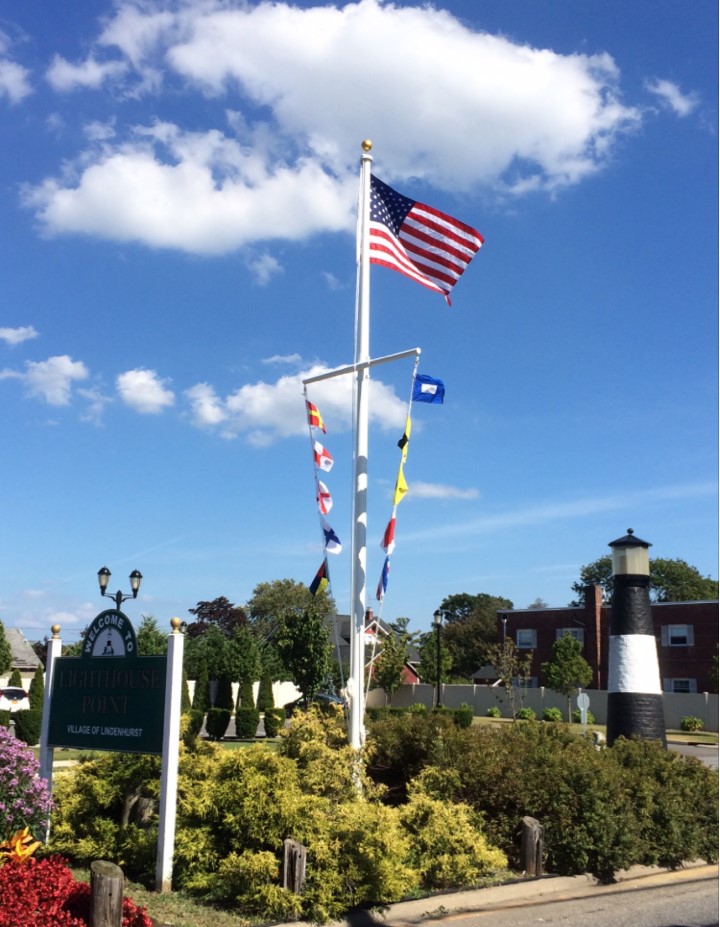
(659, 901)
(708, 753)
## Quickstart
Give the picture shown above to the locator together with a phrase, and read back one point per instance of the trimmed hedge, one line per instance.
(246, 722)
(217, 723)
(28, 724)
(274, 719)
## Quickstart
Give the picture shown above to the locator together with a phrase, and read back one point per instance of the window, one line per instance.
(683, 686)
(677, 635)
(526, 639)
(577, 633)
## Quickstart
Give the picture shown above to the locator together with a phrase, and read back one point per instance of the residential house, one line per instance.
(686, 634)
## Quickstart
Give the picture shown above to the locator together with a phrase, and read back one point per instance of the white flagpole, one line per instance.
(360, 461)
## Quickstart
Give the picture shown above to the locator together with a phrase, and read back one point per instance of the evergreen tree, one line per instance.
(185, 703)
(223, 695)
(567, 671)
(36, 692)
(246, 697)
(5, 652)
(201, 698)
(265, 700)
(15, 679)
(150, 639)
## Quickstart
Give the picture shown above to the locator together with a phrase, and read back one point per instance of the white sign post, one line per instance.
(170, 757)
(583, 703)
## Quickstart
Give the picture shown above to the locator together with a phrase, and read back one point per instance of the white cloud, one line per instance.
(144, 391)
(13, 336)
(265, 412)
(419, 490)
(486, 113)
(14, 81)
(682, 104)
(51, 380)
(96, 402)
(292, 359)
(64, 76)
(264, 267)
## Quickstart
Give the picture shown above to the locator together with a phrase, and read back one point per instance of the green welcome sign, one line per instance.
(109, 698)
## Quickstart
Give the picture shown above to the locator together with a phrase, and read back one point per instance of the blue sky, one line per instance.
(177, 207)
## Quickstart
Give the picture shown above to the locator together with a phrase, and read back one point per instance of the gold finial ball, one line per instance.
(175, 624)
(55, 630)
(366, 145)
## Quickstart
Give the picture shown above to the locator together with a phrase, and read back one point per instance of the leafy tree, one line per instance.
(219, 613)
(513, 669)
(389, 666)
(538, 603)
(428, 658)
(5, 652)
(36, 692)
(265, 610)
(304, 646)
(470, 629)
(670, 581)
(567, 670)
(150, 639)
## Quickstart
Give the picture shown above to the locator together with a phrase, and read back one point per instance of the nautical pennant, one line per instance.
(321, 580)
(332, 541)
(382, 584)
(314, 418)
(323, 457)
(324, 499)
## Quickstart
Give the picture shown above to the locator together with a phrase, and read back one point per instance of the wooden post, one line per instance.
(294, 862)
(106, 894)
(531, 846)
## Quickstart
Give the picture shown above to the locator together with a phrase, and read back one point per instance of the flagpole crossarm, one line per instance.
(362, 365)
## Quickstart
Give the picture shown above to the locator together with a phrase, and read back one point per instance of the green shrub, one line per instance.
(185, 702)
(493, 712)
(525, 714)
(193, 722)
(577, 717)
(246, 722)
(691, 723)
(274, 719)
(36, 692)
(217, 722)
(16, 679)
(447, 845)
(4, 717)
(27, 725)
(553, 714)
(463, 716)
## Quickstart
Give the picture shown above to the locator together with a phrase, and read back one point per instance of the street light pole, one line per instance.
(437, 619)
(104, 578)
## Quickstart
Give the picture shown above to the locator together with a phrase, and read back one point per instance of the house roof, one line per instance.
(341, 626)
(23, 656)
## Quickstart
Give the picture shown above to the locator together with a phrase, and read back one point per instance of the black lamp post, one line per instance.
(104, 578)
(635, 707)
(437, 620)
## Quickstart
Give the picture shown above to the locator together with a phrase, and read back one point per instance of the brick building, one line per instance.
(686, 634)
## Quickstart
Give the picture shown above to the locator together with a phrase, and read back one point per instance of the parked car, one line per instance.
(13, 698)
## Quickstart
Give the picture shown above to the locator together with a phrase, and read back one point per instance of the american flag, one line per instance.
(417, 240)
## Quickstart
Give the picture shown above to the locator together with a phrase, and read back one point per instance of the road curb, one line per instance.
(519, 891)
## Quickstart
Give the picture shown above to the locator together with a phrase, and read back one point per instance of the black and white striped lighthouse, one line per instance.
(635, 705)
